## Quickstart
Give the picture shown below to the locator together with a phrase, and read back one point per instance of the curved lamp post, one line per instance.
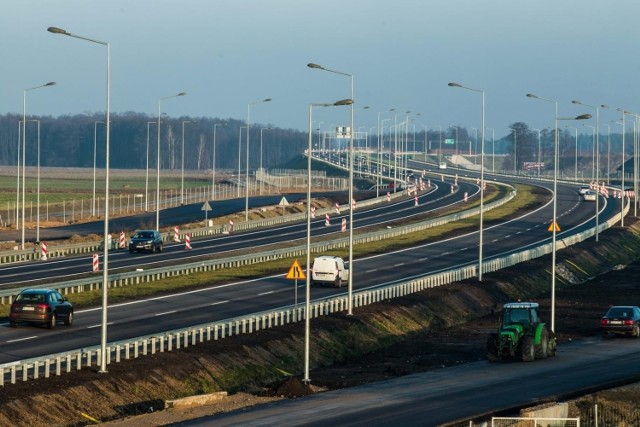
(146, 179)
(480, 259)
(24, 151)
(246, 182)
(554, 225)
(158, 161)
(350, 201)
(182, 165)
(213, 162)
(307, 312)
(105, 261)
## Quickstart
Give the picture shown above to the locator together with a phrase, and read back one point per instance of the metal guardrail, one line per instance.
(45, 366)
(58, 251)
(176, 339)
(136, 277)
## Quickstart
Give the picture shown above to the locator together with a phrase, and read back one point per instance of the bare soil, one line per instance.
(440, 327)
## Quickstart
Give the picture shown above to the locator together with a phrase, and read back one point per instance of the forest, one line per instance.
(68, 141)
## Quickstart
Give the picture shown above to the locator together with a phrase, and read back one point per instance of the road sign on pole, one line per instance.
(206, 208)
(554, 224)
(296, 272)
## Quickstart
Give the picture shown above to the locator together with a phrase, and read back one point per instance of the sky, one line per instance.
(230, 54)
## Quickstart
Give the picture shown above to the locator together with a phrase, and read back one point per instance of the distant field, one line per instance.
(64, 184)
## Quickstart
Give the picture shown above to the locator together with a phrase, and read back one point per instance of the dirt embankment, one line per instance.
(435, 328)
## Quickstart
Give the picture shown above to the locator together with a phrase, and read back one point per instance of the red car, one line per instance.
(43, 306)
(621, 320)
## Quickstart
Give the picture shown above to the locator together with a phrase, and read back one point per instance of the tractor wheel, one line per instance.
(528, 349)
(551, 346)
(492, 348)
(542, 348)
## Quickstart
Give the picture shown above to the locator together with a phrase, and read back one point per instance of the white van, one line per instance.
(329, 269)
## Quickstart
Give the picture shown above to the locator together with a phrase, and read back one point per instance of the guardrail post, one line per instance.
(13, 375)
(36, 370)
(58, 366)
(25, 373)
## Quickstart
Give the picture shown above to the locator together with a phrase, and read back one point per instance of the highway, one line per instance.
(453, 395)
(233, 299)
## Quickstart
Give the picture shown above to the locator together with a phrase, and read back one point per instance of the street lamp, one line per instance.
(105, 261)
(554, 225)
(246, 190)
(575, 172)
(538, 158)
(493, 149)
(608, 149)
(95, 144)
(146, 180)
(38, 186)
(213, 162)
(261, 171)
(379, 158)
(480, 91)
(182, 166)
(624, 128)
(24, 152)
(307, 313)
(593, 150)
(158, 160)
(350, 291)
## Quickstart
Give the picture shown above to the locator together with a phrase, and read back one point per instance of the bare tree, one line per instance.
(171, 145)
(201, 149)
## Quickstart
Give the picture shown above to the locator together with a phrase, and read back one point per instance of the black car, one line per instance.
(621, 320)
(146, 240)
(44, 306)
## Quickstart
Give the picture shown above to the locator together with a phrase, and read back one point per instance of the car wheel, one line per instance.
(13, 323)
(160, 248)
(130, 250)
(636, 331)
(338, 282)
(52, 321)
(69, 320)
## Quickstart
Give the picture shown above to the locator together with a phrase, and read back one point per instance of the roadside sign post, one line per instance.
(296, 272)
(206, 208)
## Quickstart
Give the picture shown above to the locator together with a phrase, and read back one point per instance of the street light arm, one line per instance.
(56, 30)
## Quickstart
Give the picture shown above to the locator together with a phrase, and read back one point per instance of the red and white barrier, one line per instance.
(429, 183)
(230, 225)
(343, 227)
(327, 220)
(353, 204)
(43, 251)
(388, 196)
(122, 244)
(313, 212)
(415, 200)
(452, 189)
(96, 263)
(176, 234)
(187, 242)
(466, 196)
(337, 209)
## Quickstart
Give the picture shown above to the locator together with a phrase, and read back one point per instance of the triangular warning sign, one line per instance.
(554, 224)
(296, 272)
(283, 202)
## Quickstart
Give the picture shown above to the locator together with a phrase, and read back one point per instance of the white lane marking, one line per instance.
(463, 249)
(219, 302)
(166, 312)
(22, 339)
(398, 265)
(99, 325)
(265, 293)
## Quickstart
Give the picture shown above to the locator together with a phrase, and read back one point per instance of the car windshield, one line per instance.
(144, 235)
(30, 298)
(620, 312)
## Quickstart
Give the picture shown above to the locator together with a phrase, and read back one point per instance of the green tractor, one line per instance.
(521, 335)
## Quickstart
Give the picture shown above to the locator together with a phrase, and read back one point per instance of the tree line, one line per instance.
(68, 141)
